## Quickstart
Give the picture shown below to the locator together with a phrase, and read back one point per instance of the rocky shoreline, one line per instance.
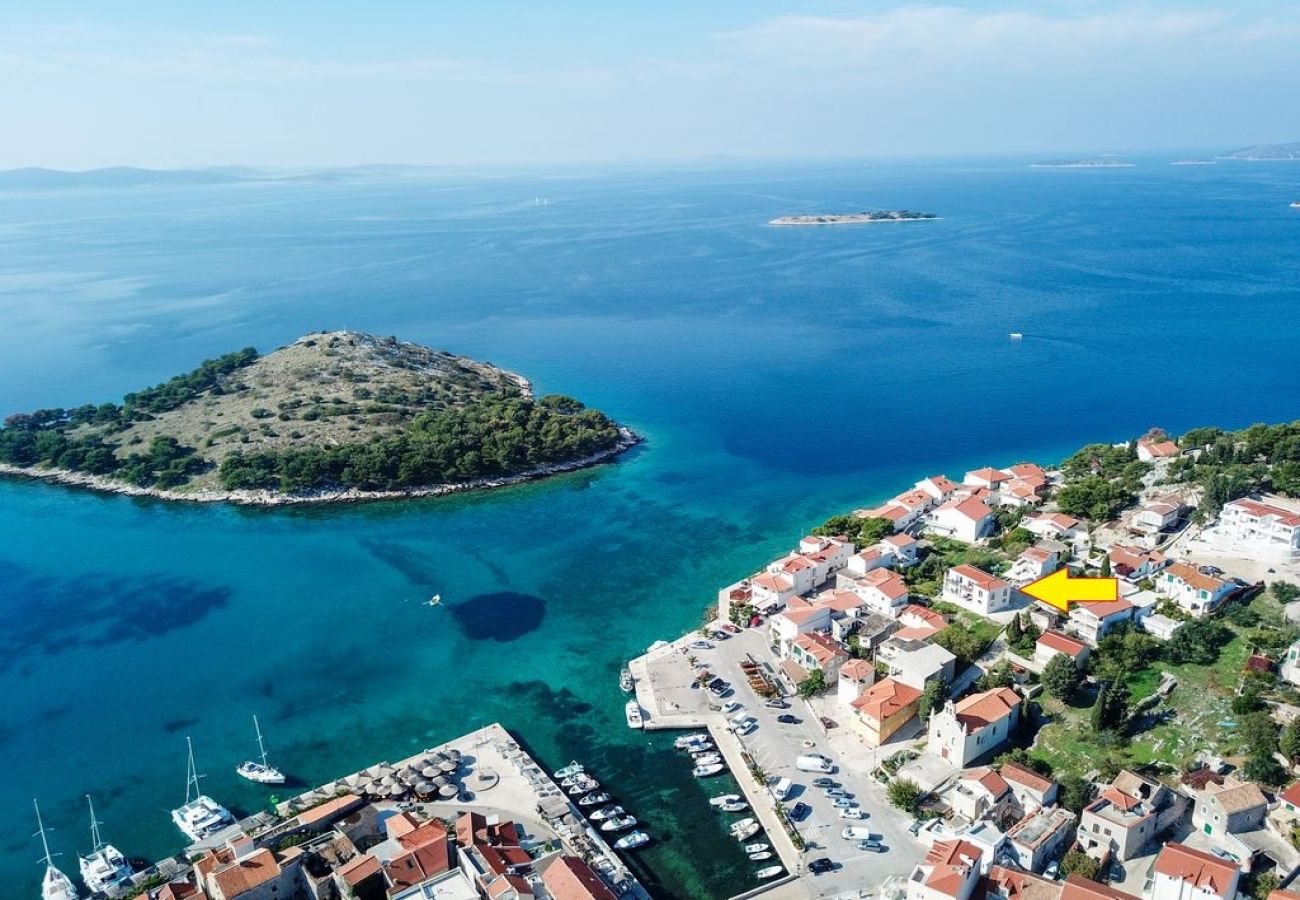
(627, 440)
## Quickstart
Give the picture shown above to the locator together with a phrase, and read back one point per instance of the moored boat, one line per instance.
(573, 768)
(707, 759)
(634, 717)
(761, 855)
(723, 799)
(707, 771)
(737, 806)
(757, 848)
(582, 784)
(607, 813)
(686, 740)
(768, 872)
(618, 823)
(632, 841)
(55, 885)
(745, 829)
(594, 798)
(200, 817)
(259, 770)
(625, 681)
(104, 867)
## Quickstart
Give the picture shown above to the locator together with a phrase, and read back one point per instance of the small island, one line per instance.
(334, 416)
(1192, 162)
(880, 215)
(1266, 152)
(1101, 162)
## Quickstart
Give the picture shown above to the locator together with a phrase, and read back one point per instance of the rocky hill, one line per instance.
(332, 413)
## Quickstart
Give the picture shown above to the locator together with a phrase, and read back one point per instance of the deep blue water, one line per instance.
(780, 375)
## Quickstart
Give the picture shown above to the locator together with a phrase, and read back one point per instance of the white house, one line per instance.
(967, 519)
(1150, 449)
(1041, 836)
(914, 663)
(828, 554)
(1034, 562)
(1051, 525)
(898, 551)
(882, 591)
(987, 477)
(1290, 669)
(856, 675)
(940, 487)
(1197, 592)
(793, 621)
(1263, 528)
(1158, 514)
(1092, 621)
(1181, 873)
(974, 589)
(1053, 643)
(903, 511)
(979, 793)
(973, 726)
(1134, 563)
(1161, 627)
(1031, 790)
(950, 871)
(769, 591)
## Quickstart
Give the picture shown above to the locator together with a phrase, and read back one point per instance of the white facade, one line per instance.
(1194, 591)
(966, 520)
(914, 663)
(976, 590)
(1266, 529)
(974, 726)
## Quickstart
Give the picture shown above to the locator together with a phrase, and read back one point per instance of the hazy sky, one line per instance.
(304, 83)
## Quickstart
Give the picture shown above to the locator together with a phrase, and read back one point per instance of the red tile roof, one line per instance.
(1079, 888)
(981, 710)
(981, 578)
(246, 874)
(1018, 774)
(951, 863)
(886, 698)
(570, 878)
(1261, 510)
(1292, 794)
(989, 474)
(1211, 873)
(1062, 643)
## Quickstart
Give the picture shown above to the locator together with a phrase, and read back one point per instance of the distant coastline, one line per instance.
(882, 215)
(1082, 164)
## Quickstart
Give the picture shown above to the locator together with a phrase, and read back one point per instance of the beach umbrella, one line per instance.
(448, 766)
(441, 780)
(430, 771)
(448, 790)
(425, 788)
(396, 791)
(454, 754)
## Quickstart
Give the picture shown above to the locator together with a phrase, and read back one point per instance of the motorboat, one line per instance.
(745, 829)
(684, 742)
(634, 716)
(259, 770)
(761, 855)
(573, 768)
(737, 806)
(768, 872)
(708, 759)
(607, 812)
(55, 885)
(200, 817)
(707, 771)
(618, 823)
(104, 867)
(625, 681)
(1016, 335)
(724, 799)
(757, 848)
(632, 841)
(584, 784)
(594, 798)
(700, 754)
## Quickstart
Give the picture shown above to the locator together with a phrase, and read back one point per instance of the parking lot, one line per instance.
(775, 746)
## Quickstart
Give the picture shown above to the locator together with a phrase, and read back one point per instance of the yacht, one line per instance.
(618, 823)
(625, 681)
(56, 885)
(104, 868)
(201, 816)
(594, 798)
(632, 841)
(1016, 335)
(736, 806)
(261, 771)
(573, 768)
(581, 784)
(634, 718)
(707, 771)
(607, 813)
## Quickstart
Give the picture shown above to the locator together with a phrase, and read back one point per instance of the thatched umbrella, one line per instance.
(454, 753)
(448, 766)
(425, 788)
(396, 790)
(448, 791)
(429, 771)
(441, 781)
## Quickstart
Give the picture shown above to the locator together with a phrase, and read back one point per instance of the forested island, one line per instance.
(333, 416)
(879, 215)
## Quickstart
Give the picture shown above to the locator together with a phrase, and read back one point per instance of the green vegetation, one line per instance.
(1061, 677)
(1095, 498)
(934, 696)
(967, 635)
(1076, 862)
(496, 437)
(1233, 464)
(905, 794)
(862, 532)
(926, 578)
(813, 685)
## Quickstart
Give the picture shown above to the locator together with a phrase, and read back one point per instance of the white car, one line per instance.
(700, 645)
(851, 813)
(731, 706)
(746, 727)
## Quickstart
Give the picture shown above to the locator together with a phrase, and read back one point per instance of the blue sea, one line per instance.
(779, 375)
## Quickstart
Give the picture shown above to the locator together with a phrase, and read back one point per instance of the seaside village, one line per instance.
(900, 720)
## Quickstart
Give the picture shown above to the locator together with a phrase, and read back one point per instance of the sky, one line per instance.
(293, 83)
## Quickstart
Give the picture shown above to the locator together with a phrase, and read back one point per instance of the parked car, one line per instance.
(828, 724)
(836, 792)
(856, 833)
(871, 846)
(728, 627)
(776, 703)
(731, 706)
(824, 782)
(814, 762)
(746, 727)
(700, 645)
(799, 811)
(850, 812)
(820, 864)
(844, 803)
(719, 635)
(787, 719)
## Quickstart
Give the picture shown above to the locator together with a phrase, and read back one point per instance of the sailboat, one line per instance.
(56, 885)
(201, 816)
(104, 867)
(261, 772)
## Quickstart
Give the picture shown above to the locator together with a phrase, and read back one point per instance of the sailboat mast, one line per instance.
(192, 774)
(40, 825)
(261, 747)
(97, 844)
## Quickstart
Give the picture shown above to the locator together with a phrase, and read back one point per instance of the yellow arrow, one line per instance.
(1060, 590)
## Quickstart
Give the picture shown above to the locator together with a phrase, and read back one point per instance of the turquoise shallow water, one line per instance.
(779, 375)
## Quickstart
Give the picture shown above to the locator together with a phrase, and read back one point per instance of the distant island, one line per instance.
(1265, 152)
(334, 416)
(880, 215)
(1101, 162)
(1192, 162)
(119, 177)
